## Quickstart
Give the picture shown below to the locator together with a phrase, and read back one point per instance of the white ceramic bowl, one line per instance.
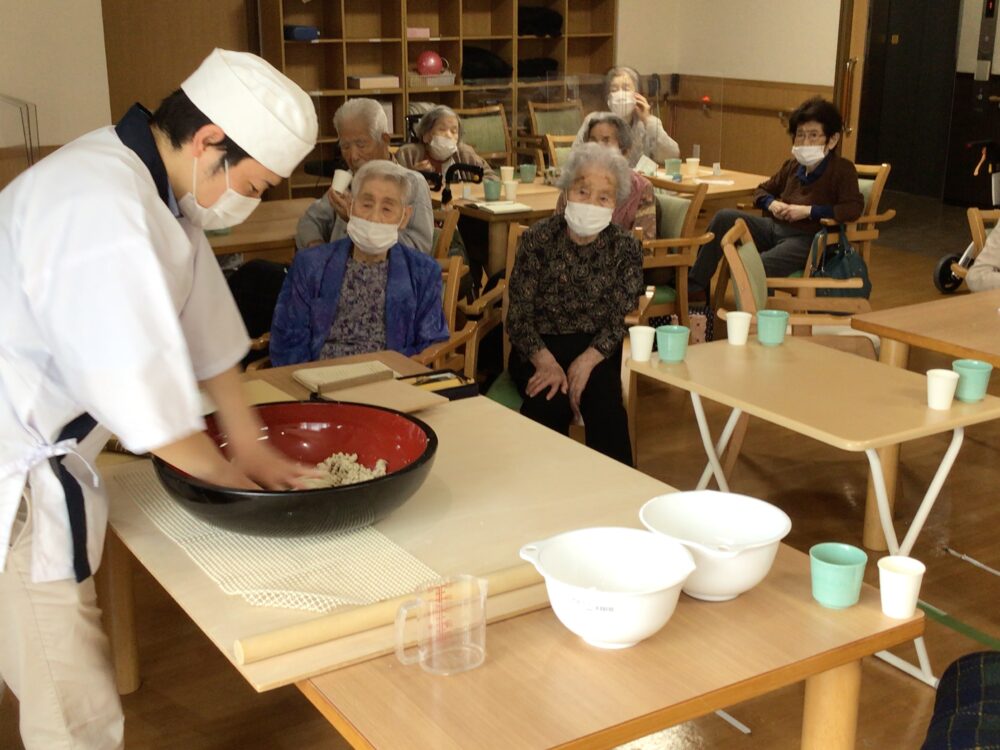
(733, 538)
(613, 587)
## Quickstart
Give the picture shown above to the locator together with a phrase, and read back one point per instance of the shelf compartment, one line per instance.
(590, 16)
(449, 50)
(442, 17)
(369, 59)
(366, 19)
(324, 16)
(315, 67)
(589, 55)
(485, 18)
(537, 48)
(502, 48)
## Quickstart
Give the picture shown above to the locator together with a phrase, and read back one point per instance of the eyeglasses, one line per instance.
(810, 136)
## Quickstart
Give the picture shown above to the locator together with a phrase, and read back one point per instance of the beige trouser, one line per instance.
(55, 656)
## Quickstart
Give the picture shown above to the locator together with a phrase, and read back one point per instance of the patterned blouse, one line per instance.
(559, 287)
(359, 325)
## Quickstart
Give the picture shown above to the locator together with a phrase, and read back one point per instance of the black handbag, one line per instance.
(839, 262)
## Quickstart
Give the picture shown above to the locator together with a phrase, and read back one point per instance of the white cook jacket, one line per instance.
(109, 305)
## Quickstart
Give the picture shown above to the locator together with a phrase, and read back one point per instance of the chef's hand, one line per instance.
(642, 106)
(548, 375)
(341, 203)
(270, 468)
(579, 374)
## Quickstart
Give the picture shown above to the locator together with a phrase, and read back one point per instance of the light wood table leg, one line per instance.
(894, 354)
(497, 259)
(117, 601)
(830, 716)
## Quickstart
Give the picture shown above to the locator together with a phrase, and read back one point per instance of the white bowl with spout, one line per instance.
(613, 587)
(733, 538)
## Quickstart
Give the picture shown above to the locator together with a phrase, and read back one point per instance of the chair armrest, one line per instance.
(435, 352)
(813, 282)
(261, 342)
(865, 219)
(479, 305)
(671, 242)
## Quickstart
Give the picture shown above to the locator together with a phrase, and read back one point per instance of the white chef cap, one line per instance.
(262, 110)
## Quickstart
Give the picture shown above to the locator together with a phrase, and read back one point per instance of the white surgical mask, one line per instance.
(586, 219)
(442, 147)
(809, 156)
(622, 103)
(372, 237)
(230, 209)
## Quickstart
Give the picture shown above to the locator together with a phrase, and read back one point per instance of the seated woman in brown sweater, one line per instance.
(815, 184)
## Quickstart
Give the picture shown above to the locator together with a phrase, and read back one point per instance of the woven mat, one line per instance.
(315, 573)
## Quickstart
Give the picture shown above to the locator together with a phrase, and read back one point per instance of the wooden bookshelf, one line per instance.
(364, 37)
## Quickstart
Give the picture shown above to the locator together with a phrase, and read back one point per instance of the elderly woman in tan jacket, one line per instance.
(440, 146)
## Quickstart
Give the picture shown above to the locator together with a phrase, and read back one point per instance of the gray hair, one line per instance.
(366, 111)
(596, 156)
(383, 169)
(430, 119)
(605, 118)
(620, 70)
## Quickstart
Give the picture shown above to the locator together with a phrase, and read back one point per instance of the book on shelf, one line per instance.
(373, 82)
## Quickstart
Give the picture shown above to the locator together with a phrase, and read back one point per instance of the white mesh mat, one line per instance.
(315, 573)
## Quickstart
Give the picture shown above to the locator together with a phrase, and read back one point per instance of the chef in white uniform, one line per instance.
(114, 312)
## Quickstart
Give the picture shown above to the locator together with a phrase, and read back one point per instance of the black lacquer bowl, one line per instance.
(310, 432)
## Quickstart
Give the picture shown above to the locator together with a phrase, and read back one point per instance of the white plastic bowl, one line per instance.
(733, 538)
(613, 587)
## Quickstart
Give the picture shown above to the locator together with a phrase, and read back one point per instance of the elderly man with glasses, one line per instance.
(363, 136)
(816, 183)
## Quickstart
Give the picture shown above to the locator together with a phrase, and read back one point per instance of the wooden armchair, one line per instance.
(675, 246)
(459, 351)
(978, 219)
(445, 223)
(487, 131)
(557, 148)
(560, 119)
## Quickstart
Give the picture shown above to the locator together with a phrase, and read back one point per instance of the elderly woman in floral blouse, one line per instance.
(576, 276)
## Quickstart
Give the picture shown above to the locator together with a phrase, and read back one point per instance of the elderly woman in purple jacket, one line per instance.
(366, 292)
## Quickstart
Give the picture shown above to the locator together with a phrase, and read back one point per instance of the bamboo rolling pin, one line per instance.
(338, 625)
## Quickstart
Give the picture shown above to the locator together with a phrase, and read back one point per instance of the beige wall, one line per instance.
(52, 54)
(968, 38)
(793, 41)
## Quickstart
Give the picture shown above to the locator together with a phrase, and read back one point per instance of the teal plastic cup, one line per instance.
(973, 377)
(771, 326)
(491, 189)
(672, 342)
(672, 167)
(528, 172)
(837, 572)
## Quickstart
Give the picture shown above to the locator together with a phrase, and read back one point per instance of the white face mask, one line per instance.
(230, 209)
(372, 237)
(586, 219)
(809, 156)
(622, 103)
(442, 147)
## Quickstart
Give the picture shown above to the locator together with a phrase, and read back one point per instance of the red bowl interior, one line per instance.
(311, 431)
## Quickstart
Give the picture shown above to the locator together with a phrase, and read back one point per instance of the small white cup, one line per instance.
(941, 385)
(641, 342)
(510, 189)
(738, 327)
(899, 580)
(341, 179)
(506, 174)
(717, 168)
(692, 165)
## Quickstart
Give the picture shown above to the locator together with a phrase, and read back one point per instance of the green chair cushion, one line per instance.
(558, 121)
(671, 211)
(795, 275)
(755, 271)
(485, 133)
(562, 154)
(663, 295)
(504, 392)
(865, 186)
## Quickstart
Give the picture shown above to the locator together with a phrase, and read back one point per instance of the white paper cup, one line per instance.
(641, 342)
(506, 174)
(510, 190)
(738, 327)
(899, 582)
(341, 179)
(941, 386)
(692, 165)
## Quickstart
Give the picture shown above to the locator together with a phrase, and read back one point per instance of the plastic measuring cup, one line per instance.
(451, 625)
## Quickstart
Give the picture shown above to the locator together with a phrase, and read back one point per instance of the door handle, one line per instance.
(846, 91)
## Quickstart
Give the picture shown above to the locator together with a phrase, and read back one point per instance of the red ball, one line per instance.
(429, 63)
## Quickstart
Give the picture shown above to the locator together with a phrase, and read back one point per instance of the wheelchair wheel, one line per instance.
(945, 281)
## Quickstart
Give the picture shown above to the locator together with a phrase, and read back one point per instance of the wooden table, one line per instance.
(543, 687)
(962, 326)
(268, 233)
(837, 398)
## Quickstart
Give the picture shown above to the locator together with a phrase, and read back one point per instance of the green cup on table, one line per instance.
(771, 325)
(491, 189)
(837, 573)
(528, 172)
(973, 378)
(671, 342)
